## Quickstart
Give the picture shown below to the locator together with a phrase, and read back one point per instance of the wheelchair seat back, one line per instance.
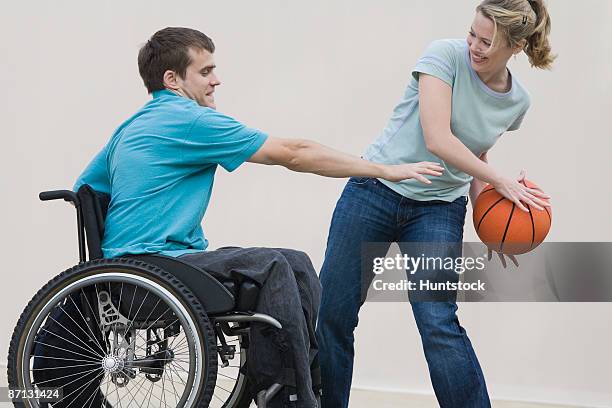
(213, 295)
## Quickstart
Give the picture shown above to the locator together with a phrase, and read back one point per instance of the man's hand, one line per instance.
(310, 157)
(401, 172)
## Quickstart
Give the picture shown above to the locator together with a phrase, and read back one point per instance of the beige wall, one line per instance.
(331, 71)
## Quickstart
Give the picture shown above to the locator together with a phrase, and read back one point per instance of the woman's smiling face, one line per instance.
(484, 56)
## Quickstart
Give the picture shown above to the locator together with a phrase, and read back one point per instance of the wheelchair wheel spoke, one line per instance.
(165, 327)
(118, 399)
(132, 302)
(91, 309)
(220, 387)
(74, 335)
(126, 394)
(120, 294)
(64, 367)
(60, 358)
(108, 381)
(136, 314)
(63, 349)
(84, 387)
(85, 321)
(133, 395)
(180, 343)
(152, 309)
(219, 398)
(92, 397)
(227, 376)
(81, 386)
(176, 396)
(71, 342)
(80, 374)
(181, 350)
(173, 367)
(153, 393)
(150, 394)
(163, 381)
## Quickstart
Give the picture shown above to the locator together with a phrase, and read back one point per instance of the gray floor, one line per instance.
(368, 399)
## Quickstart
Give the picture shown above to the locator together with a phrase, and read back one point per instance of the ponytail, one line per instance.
(522, 21)
(538, 47)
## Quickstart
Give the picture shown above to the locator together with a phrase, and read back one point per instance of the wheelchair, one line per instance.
(140, 330)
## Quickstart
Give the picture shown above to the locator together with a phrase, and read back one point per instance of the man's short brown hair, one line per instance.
(168, 49)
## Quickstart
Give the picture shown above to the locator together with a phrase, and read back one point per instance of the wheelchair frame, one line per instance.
(218, 302)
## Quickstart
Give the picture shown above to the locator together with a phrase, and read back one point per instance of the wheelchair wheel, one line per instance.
(112, 333)
(232, 388)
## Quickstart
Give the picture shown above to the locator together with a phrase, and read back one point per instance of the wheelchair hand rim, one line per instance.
(172, 301)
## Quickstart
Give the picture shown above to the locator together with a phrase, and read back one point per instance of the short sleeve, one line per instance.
(96, 174)
(439, 60)
(517, 122)
(519, 119)
(219, 139)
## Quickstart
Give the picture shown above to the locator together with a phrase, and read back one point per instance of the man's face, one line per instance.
(200, 78)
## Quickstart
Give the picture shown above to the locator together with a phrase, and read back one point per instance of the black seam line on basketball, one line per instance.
(486, 191)
(486, 212)
(532, 227)
(531, 216)
(501, 247)
(549, 217)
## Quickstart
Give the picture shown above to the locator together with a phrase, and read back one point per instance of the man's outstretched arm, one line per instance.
(310, 157)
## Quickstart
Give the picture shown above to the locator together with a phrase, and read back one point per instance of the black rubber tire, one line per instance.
(132, 266)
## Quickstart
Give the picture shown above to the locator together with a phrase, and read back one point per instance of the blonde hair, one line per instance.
(519, 20)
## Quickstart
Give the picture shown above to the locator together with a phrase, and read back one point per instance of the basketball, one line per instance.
(507, 229)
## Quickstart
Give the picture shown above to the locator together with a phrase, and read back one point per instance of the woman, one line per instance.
(461, 98)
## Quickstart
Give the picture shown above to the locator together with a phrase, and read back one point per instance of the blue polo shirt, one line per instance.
(159, 167)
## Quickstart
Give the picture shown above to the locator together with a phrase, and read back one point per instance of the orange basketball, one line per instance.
(507, 229)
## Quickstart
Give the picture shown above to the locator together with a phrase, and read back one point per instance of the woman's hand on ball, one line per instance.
(518, 193)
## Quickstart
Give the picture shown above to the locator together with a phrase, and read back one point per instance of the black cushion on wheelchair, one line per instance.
(245, 293)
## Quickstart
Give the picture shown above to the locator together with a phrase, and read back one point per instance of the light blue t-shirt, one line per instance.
(479, 117)
(158, 168)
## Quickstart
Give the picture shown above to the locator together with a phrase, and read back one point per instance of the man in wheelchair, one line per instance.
(148, 321)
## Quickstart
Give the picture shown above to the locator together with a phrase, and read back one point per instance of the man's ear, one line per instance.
(171, 80)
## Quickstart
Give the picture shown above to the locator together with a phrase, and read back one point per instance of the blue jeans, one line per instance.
(368, 211)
